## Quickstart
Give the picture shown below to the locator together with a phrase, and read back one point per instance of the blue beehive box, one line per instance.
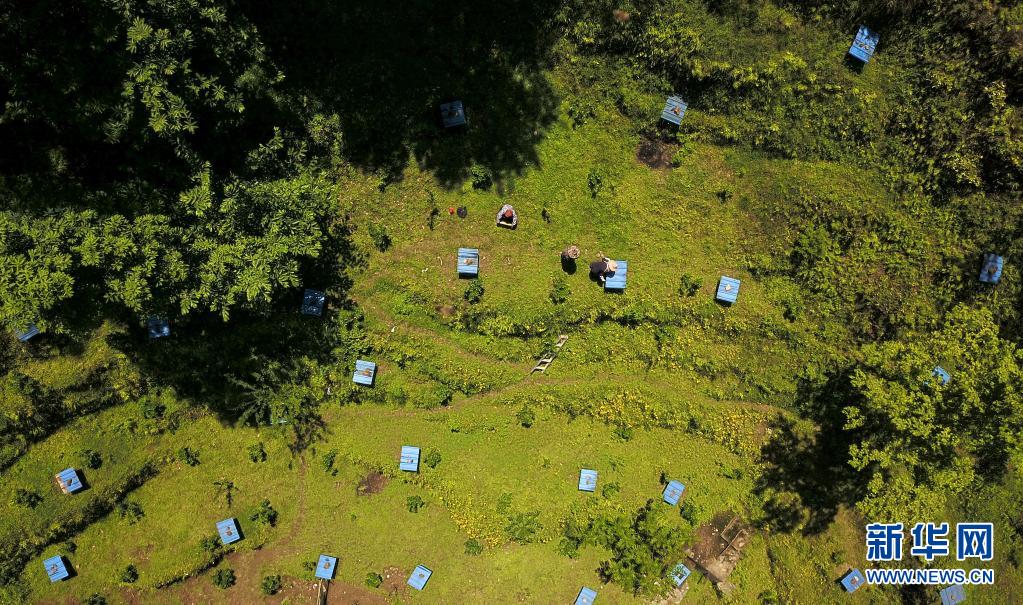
(409, 459)
(420, 576)
(228, 530)
(991, 272)
(325, 567)
(27, 335)
(56, 568)
(468, 261)
(853, 580)
(587, 480)
(158, 327)
(942, 375)
(864, 44)
(953, 595)
(312, 302)
(728, 289)
(68, 481)
(365, 372)
(616, 280)
(674, 109)
(673, 492)
(586, 596)
(452, 114)
(679, 574)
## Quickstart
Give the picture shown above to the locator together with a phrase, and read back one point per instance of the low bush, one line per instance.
(374, 580)
(270, 585)
(559, 290)
(526, 416)
(414, 503)
(432, 459)
(257, 453)
(381, 238)
(188, 456)
(130, 511)
(129, 575)
(474, 291)
(224, 578)
(689, 285)
(264, 514)
(91, 459)
(522, 527)
(27, 498)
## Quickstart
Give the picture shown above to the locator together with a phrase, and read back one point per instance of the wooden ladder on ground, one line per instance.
(545, 362)
(321, 592)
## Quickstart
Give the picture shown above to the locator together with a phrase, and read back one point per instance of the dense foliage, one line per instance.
(189, 160)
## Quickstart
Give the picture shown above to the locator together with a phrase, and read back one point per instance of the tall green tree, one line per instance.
(920, 441)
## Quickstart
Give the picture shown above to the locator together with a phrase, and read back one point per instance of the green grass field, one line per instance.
(650, 381)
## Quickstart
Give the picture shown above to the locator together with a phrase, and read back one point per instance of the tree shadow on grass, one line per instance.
(384, 68)
(806, 473)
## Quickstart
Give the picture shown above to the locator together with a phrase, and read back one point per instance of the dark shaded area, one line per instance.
(808, 471)
(384, 68)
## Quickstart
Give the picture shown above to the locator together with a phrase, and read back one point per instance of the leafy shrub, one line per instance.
(643, 548)
(27, 498)
(264, 514)
(690, 512)
(374, 580)
(559, 290)
(414, 503)
(481, 177)
(473, 547)
(598, 180)
(257, 453)
(526, 416)
(610, 489)
(689, 285)
(129, 575)
(474, 292)
(211, 545)
(152, 408)
(432, 458)
(91, 459)
(188, 456)
(95, 599)
(581, 109)
(623, 432)
(523, 526)
(224, 578)
(270, 585)
(328, 462)
(381, 239)
(768, 597)
(131, 511)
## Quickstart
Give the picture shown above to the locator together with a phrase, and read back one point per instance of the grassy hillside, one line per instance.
(777, 177)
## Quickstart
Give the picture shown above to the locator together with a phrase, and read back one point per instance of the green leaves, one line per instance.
(920, 442)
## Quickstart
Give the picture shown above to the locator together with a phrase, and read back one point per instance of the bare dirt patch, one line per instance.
(719, 546)
(655, 153)
(373, 483)
(394, 580)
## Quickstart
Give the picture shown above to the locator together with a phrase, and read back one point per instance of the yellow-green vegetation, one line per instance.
(223, 158)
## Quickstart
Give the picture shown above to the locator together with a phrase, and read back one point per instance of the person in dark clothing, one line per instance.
(602, 268)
